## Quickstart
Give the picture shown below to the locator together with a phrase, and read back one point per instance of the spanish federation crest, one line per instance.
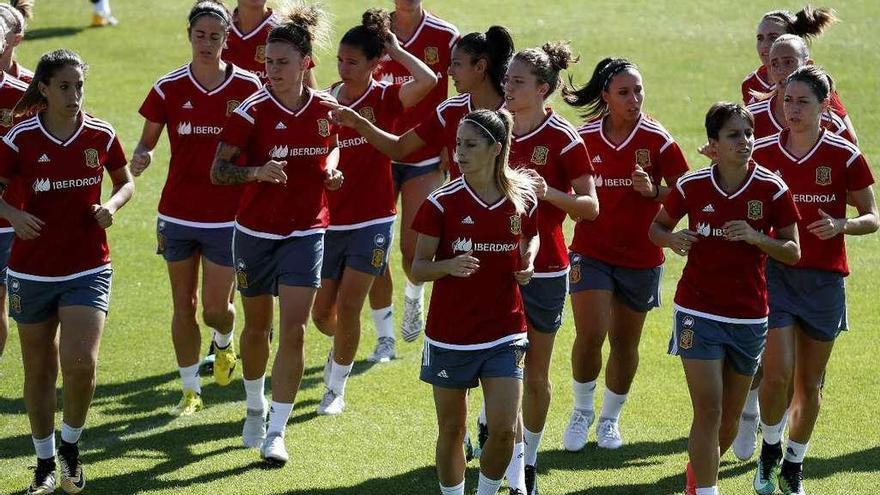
(686, 338)
(15, 303)
(323, 127)
(260, 55)
(539, 155)
(574, 276)
(823, 176)
(92, 158)
(231, 105)
(755, 209)
(515, 224)
(643, 158)
(6, 117)
(432, 55)
(367, 113)
(378, 258)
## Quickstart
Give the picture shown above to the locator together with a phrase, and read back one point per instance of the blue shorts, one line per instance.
(450, 368)
(813, 299)
(544, 301)
(176, 242)
(364, 249)
(401, 173)
(5, 248)
(31, 301)
(637, 288)
(262, 264)
(739, 344)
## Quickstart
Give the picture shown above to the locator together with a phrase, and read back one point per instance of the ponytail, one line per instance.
(548, 61)
(303, 26)
(495, 46)
(807, 23)
(371, 35)
(590, 96)
(32, 101)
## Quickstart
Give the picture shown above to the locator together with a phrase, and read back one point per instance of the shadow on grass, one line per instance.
(420, 480)
(53, 32)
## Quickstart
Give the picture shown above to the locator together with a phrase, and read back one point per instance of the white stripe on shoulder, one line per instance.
(455, 101)
(565, 126)
(242, 110)
(656, 126)
(246, 75)
(16, 83)
(438, 23)
(759, 106)
(174, 75)
(765, 175)
(702, 174)
(25, 125)
(667, 138)
(451, 188)
(766, 141)
(839, 142)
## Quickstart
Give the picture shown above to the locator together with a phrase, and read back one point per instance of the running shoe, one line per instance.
(791, 479)
(224, 365)
(253, 433)
(44, 477)
(767, 471)
(384, 351)
(575, 437)
(608, 434)
(73, 479)
(331, 404)
(411, 326)
(273, 449)
(746, 440)
(190, 403)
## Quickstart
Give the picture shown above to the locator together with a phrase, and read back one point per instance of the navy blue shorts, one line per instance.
(813, 299)
(544, 301)
(401, 173)
(263, 264)
(739, 344)
(637, 288)
(450, 368)
(5, 248)
(32, 301)
(364, 249)
(176, 242)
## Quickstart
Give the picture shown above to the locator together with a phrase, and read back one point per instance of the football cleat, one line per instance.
(190, 403)
(746, 440)
(73, 479)
(224, 365)
(791, 479)
(608, 434)
(575, 437)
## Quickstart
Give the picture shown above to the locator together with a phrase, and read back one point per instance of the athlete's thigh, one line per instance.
(503, 397)
(591, 310)
(451, 406)
(218, 284)
(705, 381)
(184, 278)
(295, 304)
(81, 329)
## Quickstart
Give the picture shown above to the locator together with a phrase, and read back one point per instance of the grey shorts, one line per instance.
(450, 368)
(33, 301)
(738, 344)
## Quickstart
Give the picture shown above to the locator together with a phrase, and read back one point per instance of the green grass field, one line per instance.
(691, 53)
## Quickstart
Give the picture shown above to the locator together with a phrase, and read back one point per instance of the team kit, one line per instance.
(287, 191)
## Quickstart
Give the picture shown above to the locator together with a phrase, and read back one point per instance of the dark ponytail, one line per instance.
(815, 77)
(806, 23)
(371, 35)
(495, 46)
(32, 101)
(590, 96)
(548, 61)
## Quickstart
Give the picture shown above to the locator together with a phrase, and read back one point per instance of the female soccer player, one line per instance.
(430, 39)
(807, 300)
(720, 315)
(361, 213)
(59, 270)
(476, 329)
(279, 227)
(545, 142)
(615, 269)
(15, 15)
(11, 90)
(479, 61)
(196, 218)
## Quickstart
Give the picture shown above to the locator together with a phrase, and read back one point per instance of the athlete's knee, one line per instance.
(217, 315)
(537, 384)
(322, 316)
(503, 433)
(80, 367)
(777, 379)
(452, 430)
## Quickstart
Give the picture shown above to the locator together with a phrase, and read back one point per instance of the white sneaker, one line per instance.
(273, 449)
(253, 434)
(608, 434)
(384, 351)
(575, 436)
(746, 440)
(331, 404)
(412, 319)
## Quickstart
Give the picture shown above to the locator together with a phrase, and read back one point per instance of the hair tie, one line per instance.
(481, 126)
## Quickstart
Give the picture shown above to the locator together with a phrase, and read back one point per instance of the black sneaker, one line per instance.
(73, 480)
(516, 491)
(206, 367)
(531, 480)
(791, 478)
(44, 477)
(482, 435)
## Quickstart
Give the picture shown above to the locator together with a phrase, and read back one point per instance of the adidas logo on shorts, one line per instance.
(280, 126)
(443, 374)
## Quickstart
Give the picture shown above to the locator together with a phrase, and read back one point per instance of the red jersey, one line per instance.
(20, 72)
(725, 280)
(248, 50)
(442, 125)
(485, 309)
(194, 117)
(65, 178)
(819, 179)
(431, 43)
(367, 194)
(556, 151)
(759, 82)
(619, 235)
(264, 129)
(767, 125)
(11, 90)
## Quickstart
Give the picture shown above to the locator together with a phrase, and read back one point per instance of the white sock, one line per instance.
(70, 434)
(795, 452)
(751, 408)
(453, 490)
(383, 319)
(102, 7)
(279, 413)
(516, 470)
(189, 375)
(772, 434)
(612, 404)
(414, 291)
(532, 442)
(338, 377)
(487, 486)
(45, 447)
(222, 341)
(482, 417)
(712, 490)
(254, 391)
(583, 394)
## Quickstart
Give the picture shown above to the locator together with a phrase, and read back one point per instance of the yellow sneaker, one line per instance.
(190, 403)
(99, 20)
(224, 365)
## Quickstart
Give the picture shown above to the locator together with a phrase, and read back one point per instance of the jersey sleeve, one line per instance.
(115, 156)
(530, 222)
(837, 105)
(747, 97)
(429, 219)
(785, 211)
(153, 107)
(391, 104)
(675, 204)
(8, 159)
(238, 129)
(673, 164)
(858, 174)
(431, 128)
(575, 160)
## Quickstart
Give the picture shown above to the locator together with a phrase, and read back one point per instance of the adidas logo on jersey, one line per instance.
(467, 220)
(188, 105)
(709, 208)
(280, 126)
(443, 374)
(597, 159)
(43, 159)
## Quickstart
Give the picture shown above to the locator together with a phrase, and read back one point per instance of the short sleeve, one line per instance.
(530, 222)
(8, 160)
(675, 203)
(115, 156)
(673, 164)
(391, 104)
(238, 129)
(153, 107)
(837, 105)
(429, 219)
(575, 160)
(431, 128)
(785, 211)
(858, 174)
(747, 97)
